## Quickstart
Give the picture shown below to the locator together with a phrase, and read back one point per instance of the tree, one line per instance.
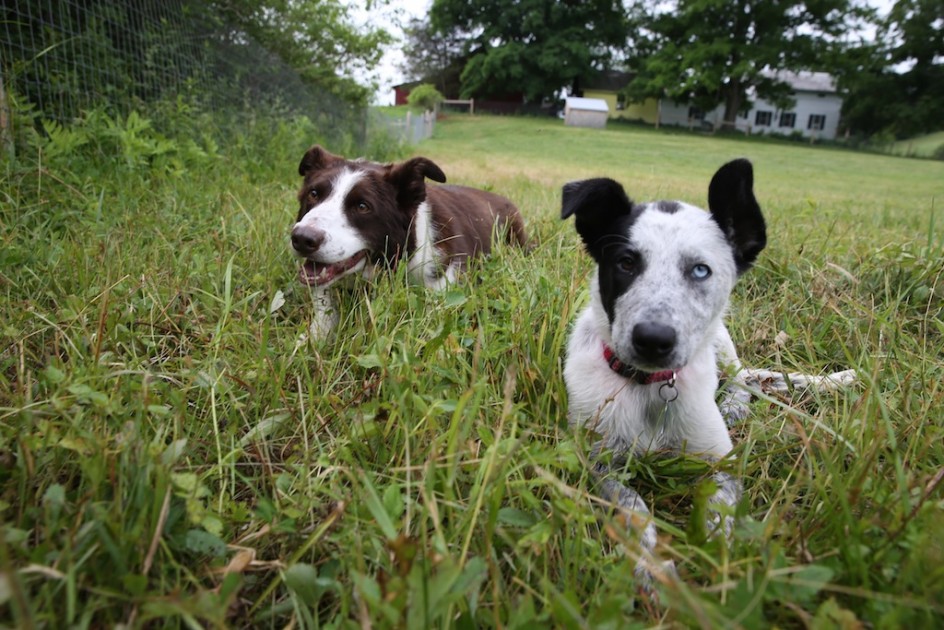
(709, 52)
(897, 82)
(317, 38)
(532, 46)
(434, 57)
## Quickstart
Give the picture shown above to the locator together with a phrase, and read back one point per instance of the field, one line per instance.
(923, 146)
(169, 456)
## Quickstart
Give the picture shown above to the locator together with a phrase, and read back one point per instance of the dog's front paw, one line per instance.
(323, 325)
(649, 570)
(324, 318)
(722, 505)
(320, 329)
(735, 404)
(719, 525)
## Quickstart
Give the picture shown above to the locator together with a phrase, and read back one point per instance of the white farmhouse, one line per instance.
(814, 114)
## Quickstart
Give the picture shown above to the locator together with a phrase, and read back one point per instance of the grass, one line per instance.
(171, 458)
(922, 146)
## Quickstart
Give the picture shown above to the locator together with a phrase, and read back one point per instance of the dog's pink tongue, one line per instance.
(314, 274)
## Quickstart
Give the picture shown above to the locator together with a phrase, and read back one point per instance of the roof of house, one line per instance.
(801, 81)
(409, 85)
(586, 104)
(805, 81)
(608, 81)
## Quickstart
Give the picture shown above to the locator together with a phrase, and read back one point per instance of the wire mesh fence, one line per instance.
(64, 56)
(410, 128)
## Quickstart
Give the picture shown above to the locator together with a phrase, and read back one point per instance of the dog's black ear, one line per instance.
(734, 207)
(316, 159)
(599, 204)
(408, 178)
(599, 198)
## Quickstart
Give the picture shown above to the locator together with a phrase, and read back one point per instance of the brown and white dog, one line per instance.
(358, 217)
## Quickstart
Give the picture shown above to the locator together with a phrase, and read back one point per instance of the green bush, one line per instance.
(425, 97)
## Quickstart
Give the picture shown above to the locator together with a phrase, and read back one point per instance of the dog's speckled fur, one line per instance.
(664, 273)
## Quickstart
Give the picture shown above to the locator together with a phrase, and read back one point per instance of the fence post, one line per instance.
(6, 122)
(429, 119)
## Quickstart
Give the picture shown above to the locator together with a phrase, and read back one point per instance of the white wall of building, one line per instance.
(824, 106)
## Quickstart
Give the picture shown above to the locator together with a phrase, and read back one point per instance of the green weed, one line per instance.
(171, 457)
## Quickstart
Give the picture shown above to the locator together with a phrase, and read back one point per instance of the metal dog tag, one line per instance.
(667, 390)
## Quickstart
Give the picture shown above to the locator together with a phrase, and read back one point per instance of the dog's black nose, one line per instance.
(307, 240)
(652, 340)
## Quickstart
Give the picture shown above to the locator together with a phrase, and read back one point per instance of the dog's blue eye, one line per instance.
(700, 272)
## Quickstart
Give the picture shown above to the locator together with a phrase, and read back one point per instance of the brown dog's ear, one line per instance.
(408, 178)
(420, 167)
(316, 159)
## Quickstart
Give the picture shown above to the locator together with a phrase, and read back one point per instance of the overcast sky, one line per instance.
(394, 17)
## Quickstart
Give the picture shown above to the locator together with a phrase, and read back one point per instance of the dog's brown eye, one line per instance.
(363, 208)
(627, 264)
(312, 194)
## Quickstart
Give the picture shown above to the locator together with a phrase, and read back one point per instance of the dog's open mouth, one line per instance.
(319, 274)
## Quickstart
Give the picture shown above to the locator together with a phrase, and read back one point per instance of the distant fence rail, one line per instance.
(470, 103)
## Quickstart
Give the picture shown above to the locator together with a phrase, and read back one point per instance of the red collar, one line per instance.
(628, 371)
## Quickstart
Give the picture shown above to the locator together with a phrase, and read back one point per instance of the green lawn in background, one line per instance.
(923, 146)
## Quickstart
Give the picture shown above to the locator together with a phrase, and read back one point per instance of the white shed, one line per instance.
(585, 112)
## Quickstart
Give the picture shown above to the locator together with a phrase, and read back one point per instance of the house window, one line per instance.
(788, 119)
(817, 122)
(763, 118)
(695, 114)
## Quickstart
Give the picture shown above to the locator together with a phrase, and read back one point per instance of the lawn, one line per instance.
(172, 457)
(922, 146)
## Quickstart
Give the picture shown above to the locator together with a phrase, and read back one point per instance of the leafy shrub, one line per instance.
(426, 97)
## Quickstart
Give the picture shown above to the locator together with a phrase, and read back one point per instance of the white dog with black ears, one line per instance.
(642, 359)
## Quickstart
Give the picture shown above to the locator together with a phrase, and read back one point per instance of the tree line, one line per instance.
(889, 68)
(63, 56)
